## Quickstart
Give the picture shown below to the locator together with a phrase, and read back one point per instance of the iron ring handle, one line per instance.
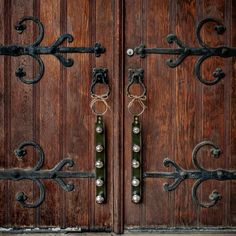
(100, 78)
(136, 79)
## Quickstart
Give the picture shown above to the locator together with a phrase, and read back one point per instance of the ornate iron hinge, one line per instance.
(203, 52)
(34, 50)
(200, 174)
(36, 174)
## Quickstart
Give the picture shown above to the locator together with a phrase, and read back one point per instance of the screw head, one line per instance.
(136, 148)
(130, 52)
(99, 129)
(135, 163)
(99, 182)
(99, 199)
(135, 182)
(99, 148)
(99, 164)
(136, 198)
(136, 130)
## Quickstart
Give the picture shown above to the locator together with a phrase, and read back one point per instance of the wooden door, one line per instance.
(181, 113)
(55, 113)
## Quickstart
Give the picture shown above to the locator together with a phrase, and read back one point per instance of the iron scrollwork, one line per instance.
(34, 50)
(183, 51)
(36, 174)
(200, 175)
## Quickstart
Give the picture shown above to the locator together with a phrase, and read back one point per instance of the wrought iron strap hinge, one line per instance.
(37, 175)
(34, 50)
(200, 174)
(183, 51)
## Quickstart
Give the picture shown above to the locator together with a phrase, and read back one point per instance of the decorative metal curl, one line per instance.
(34, 50)
(37, 175)
(200, 174)
(183, 51)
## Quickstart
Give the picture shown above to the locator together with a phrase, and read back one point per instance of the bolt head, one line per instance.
(99, 182)
(136, 130)
(99, 199)
(99, 129)
(99, 148)
(135, 163)
(136, 148)
(99, 164)
(130, 52)
(136, 198)
(135, 182)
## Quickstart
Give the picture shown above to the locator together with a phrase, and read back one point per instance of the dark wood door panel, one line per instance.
(181, 112)
(55, 112)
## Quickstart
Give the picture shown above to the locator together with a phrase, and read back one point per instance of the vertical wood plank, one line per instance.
(157, 124)
(232, 203)
(49, 112)
(21, 115)
(79, 131)
(3, 112)
(185, 211)
(132, 37)
(104, 29)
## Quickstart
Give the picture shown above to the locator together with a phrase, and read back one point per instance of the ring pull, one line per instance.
(136, 77)
(99, 77)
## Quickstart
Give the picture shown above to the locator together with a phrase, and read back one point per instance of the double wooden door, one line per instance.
(181, 112)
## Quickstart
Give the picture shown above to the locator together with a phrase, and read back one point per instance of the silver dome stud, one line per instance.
(135, 182)
(136, 198)
(136, 130)
(99, 129)
(99, 164)
(136, 148)
(99, 182)
(99, 199)
(135, 163)
(99, 148)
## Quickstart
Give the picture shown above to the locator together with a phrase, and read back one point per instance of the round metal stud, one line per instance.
(99, 182)
(136, 148)
(135, 163)
(135, 182)
(130, 52)
(99, 129)
(99, 148)
(99, 199)
(99, 164)
(136, 130)
(136, 198)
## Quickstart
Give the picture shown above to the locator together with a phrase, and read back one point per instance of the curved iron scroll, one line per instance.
(183, 51)
(37, 175)
(200, 174)
(34, 50)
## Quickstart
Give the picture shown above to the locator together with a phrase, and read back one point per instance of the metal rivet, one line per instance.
(135, 164)
(99, 164)
(99, 129)
(99, 148)
(130, 52)
(136, 130)
(136, 198)
(135, 182)
(99, 199)
(99, 182)
(136, 148)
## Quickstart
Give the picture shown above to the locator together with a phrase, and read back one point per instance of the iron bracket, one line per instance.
(34, 50)
(183, 51)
